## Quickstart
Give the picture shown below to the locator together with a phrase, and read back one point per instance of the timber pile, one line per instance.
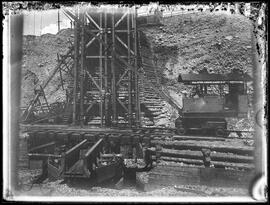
(187, 151)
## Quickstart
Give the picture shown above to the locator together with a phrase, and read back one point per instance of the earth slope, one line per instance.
(218, 42)
(39, 59)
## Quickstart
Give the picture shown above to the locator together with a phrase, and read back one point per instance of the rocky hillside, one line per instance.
(218, 42)
(191, 42)
(39, 59)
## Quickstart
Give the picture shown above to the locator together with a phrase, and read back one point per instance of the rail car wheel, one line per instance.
(181, 131)
(220, 132)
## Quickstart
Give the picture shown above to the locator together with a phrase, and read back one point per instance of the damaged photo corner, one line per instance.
(36, 42)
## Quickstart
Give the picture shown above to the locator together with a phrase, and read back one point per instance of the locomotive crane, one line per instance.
(214, 98)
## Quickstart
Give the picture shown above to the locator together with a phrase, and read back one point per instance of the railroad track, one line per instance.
(173, 149)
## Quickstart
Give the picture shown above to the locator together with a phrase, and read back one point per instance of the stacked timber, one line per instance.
(188, 151)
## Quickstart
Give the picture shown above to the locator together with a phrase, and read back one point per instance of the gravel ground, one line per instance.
(58, 188)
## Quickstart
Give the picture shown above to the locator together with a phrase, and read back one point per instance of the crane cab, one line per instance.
(213, 98)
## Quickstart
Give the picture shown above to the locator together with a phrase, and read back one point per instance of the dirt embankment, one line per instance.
(191, 42)
(39, 59)
(218, 42)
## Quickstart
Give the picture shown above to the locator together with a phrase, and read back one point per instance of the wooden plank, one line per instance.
(44, 127)
(196, 146)
(42, 146)
(198, 155)
(93, 148)
(231, 158)
(120, 20)
(82, 72)
(217, 164)
(177, 137)
(179, 160)
(42, 156)
(75, 147)
(106, 77)
(93, 21)
(113, 79)
(101, 75)
(75, 72)
(233, 165)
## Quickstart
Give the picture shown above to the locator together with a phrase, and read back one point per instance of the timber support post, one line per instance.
(75, 69)
(105, 67)
(82, 73)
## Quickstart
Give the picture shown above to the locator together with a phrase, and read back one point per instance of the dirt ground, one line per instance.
(58, 188)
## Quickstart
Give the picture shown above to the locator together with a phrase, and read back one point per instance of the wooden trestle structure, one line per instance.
(105, 62)
(104, 66)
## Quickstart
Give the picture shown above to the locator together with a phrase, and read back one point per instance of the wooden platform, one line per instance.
(67, 128)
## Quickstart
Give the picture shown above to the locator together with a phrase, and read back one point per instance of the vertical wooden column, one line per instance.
(113, 84)
(137, 91)
(101, 73)
(106, 100)
(129, 73)
(76, 55)
(82, 71)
